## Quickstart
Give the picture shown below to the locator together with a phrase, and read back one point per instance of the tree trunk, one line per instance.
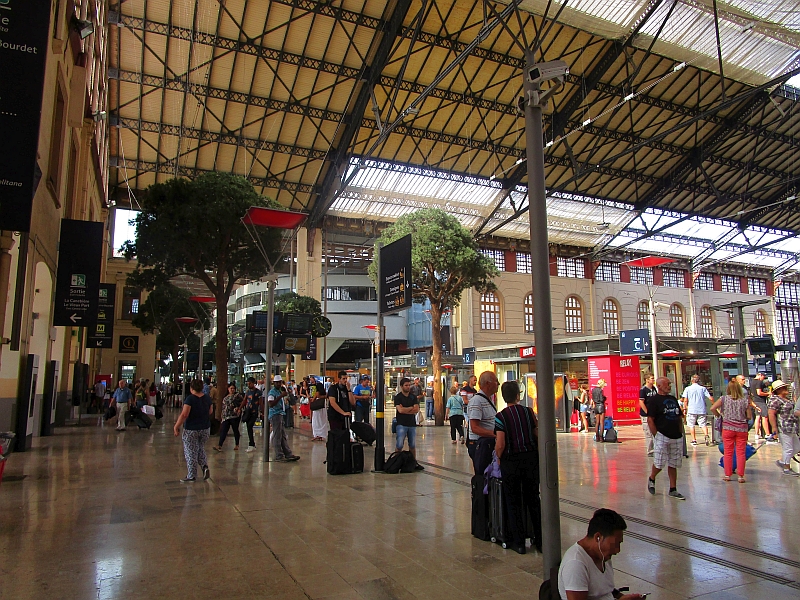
(221, 349)
(436, 359)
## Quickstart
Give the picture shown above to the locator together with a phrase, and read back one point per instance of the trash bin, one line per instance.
(6, 447)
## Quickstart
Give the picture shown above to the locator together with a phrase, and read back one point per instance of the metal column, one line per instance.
(543, 324)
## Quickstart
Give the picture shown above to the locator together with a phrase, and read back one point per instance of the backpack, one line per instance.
(610, 435)
(400, 462)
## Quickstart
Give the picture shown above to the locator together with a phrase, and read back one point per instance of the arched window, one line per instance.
(676, 320)
(610, 317)
(490, 311)
(573, 313)
(529, 313)
(761, 323)
(732, 323)
(643, 315)
(706, 323)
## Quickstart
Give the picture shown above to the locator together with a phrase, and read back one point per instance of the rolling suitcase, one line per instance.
(498, 519)
(142, 421)
(480, 512)
(365, 432)
(344, 457)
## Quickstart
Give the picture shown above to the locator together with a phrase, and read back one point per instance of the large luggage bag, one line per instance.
(142, 421)
(343, 456)
(365, 432)
(498, 519)
(480, 510)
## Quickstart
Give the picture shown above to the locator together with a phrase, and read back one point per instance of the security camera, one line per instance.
(546, 71)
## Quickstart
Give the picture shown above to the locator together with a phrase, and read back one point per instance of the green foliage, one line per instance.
(194, 228)
(295, 303)
(445, 260)
(157, 314)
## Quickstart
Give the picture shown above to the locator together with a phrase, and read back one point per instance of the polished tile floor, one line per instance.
(92, 513)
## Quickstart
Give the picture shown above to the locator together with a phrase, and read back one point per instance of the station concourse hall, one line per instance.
(257, 256)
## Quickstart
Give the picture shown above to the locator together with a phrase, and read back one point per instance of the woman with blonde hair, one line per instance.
(454, 413)
(735, 411)
(599, 405)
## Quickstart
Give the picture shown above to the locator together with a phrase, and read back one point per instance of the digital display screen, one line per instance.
(289, 344)
(297, 322)
(762, 345)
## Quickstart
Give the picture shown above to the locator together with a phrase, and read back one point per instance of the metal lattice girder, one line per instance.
(215, 137)
(342, 151)
(169, 167)
(281, 56)
(514, 179)
(702, 243)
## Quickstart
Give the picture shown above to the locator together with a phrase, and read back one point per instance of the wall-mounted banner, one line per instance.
(24, 32)
(80, 252)
(101, 333)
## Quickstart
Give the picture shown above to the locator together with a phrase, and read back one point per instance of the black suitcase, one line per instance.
(480, 510)
(159, 414)
(142, 421)
(288, 419)
(343, 456)
(364, 432)
(498, 519)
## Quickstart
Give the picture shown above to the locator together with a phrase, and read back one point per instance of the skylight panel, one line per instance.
(620, 12)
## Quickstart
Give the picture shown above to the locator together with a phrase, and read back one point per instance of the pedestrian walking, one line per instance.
(319, 412)
(278, 406)
(583, 407)
(231, 417)
(252, 404)
(665, 419)
(196, 420)
(695, 408)
(735, 411)
(782, 417)
(122, 398)
(454, 413)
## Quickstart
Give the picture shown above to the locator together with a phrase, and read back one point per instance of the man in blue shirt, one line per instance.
(122, 396)
(276, 398)
(364, 394)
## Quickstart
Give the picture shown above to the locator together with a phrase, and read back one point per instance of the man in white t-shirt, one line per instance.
(695, 408)
(586, 572)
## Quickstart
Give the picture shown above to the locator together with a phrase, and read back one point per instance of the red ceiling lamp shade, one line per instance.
(205, 299)
(273, 217)
(186, 320)
(648, 261)
(670, 353)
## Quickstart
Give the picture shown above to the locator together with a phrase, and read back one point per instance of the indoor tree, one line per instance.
(445, 261)
(194, 228)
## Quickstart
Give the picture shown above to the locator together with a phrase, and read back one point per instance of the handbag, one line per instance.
(317, 404)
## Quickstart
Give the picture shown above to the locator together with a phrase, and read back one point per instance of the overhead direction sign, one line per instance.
(634, 341)
(394, 278)
(80, 253)
(101, 332)
(24, 33)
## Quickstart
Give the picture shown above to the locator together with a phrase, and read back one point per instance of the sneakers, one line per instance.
(771, 439)
(651, 486)
(217, 448)
(677, 495)
(781, 465)
(251, 449)
(293, 457)
(790, 472)
(283, 459)
(694, 442)
(206, 473)
(188, 479)
(708, 441)
(419, 467)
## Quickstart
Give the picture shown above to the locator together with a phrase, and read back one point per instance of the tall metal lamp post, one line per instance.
(536, 74)
(259, 216)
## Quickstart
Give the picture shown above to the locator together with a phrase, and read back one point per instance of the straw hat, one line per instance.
(778, 384)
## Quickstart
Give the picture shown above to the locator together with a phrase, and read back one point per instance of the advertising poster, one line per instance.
(530, 398)
(622, 376)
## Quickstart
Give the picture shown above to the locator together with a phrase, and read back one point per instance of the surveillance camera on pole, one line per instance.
(551, 74)
(539, 73)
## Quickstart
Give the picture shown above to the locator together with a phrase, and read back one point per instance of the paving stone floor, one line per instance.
(92, 513)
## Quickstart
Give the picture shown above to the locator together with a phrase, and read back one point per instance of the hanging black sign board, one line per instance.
(394, 279)
(80, 252)
(24, 31)
(101, 332)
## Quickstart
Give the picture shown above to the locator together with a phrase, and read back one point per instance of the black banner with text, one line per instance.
(24, 31)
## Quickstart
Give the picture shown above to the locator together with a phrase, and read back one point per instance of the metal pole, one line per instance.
(653, 336)
(543, 323)
(268, 379)
(744, 369)
(380, 450)
(200, 353)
